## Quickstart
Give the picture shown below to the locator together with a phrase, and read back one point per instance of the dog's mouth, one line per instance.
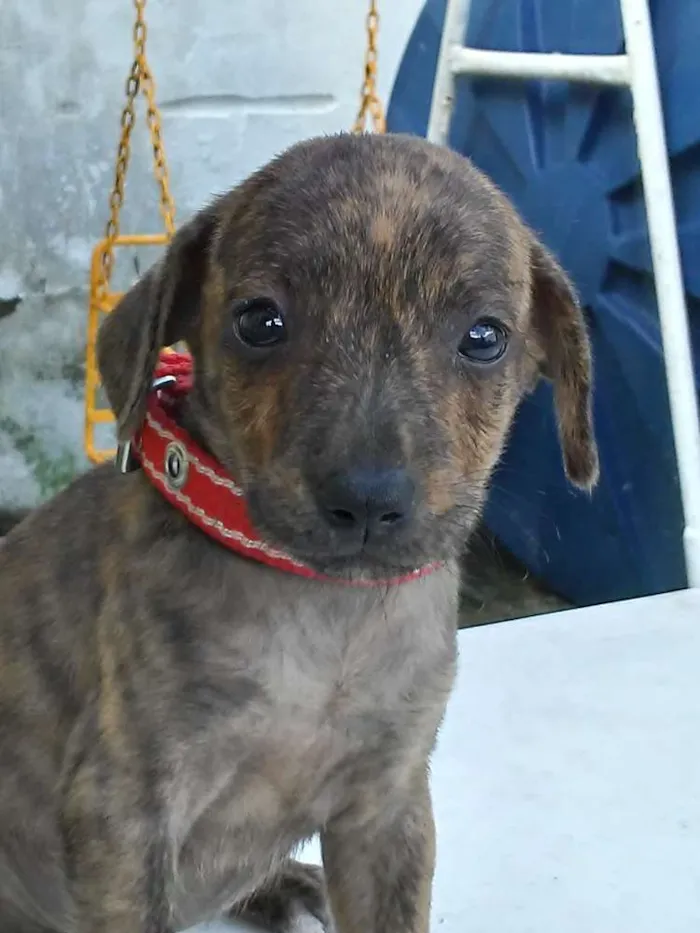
(316, 546)
(367, 561)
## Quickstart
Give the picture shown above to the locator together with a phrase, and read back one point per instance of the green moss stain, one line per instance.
(52, 472)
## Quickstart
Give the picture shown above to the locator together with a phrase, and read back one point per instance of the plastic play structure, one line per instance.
(545, 100)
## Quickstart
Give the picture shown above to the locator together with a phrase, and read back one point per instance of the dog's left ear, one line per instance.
(161, 309)
(564, 342)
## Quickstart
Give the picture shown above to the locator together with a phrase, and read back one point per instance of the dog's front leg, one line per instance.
(116, 853)
(379, 862)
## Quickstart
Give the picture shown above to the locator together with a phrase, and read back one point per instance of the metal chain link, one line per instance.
(140, 78)
(369, 99)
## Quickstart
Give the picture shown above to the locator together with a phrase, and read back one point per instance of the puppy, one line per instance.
(364, 315)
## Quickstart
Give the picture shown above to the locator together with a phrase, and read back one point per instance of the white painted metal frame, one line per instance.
(636, 70)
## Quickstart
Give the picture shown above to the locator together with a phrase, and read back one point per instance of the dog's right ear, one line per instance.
(160, 310)
(561, 327)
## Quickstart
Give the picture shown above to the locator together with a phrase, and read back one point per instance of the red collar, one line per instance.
(198, 486)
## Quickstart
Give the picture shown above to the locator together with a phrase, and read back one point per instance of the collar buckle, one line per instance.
(126, 461)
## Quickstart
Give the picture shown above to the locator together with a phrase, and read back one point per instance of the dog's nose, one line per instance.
(378, 501)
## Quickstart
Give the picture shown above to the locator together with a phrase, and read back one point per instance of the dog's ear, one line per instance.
(160, 310)
(563, 338)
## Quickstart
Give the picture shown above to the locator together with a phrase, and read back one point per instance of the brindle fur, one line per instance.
(175, 720)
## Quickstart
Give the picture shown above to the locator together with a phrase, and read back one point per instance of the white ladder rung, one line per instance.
(587, 69)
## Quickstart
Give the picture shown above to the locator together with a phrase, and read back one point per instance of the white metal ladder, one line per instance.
(637, 71)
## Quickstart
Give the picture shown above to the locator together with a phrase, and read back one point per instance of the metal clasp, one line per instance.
(125, 460)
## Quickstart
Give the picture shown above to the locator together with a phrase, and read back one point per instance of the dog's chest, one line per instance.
(337, 711)
(344, 686)
(336, 702)
(278, 776)
(330, 697)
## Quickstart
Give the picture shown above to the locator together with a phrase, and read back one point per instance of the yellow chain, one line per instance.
(140, 78)
(369, 99)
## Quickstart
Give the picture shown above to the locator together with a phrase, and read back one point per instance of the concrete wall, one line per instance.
(237, 82)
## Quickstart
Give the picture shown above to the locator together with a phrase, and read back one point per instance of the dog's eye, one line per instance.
(261, 324)
(485, 341)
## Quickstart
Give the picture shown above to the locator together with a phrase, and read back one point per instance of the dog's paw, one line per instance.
(293, 902)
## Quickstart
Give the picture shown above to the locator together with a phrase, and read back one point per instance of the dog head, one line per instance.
(365, 314)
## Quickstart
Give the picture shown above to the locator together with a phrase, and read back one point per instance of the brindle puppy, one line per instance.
(175, 720)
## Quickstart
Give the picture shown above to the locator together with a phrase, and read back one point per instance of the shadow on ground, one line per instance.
(495, 586)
